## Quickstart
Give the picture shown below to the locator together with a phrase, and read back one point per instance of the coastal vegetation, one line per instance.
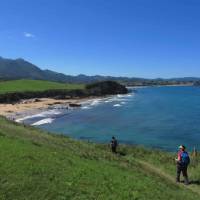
(106, 88)
(38, 165)
(14, 91)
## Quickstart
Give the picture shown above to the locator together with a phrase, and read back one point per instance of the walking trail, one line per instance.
(155, 170)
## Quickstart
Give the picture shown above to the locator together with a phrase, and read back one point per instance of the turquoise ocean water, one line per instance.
(158, 117)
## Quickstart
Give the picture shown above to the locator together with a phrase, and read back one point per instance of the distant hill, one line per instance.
(21, 69)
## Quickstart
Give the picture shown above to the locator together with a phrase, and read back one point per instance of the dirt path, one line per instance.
(159, 172)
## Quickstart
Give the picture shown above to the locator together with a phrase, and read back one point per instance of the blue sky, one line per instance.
(140, 38)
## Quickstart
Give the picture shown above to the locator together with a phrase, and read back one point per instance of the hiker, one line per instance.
(182, 161)
(113, 145)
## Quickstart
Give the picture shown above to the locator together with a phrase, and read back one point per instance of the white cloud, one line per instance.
(28, 35)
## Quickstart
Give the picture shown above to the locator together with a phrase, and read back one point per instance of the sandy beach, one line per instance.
(33, 106)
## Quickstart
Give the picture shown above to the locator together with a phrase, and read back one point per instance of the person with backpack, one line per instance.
(183, 161)
(113, 145)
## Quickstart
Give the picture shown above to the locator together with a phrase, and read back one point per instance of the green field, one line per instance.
(36, 165)
(34, 85)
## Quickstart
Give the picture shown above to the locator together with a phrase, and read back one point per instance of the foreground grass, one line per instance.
(38, 165)
(34, 85)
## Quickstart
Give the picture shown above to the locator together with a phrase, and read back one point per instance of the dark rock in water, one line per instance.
(57, 102)
(74, 105)
(197, 83)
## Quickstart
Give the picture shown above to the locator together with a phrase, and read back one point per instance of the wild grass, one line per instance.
(38, 165)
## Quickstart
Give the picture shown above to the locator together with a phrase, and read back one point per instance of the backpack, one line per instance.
(114, 143)
(185, 159)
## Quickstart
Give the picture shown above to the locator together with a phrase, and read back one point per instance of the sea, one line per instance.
(156, 117)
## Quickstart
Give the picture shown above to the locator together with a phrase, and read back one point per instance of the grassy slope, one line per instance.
(165, 164)
(38, 165)
(34, 85)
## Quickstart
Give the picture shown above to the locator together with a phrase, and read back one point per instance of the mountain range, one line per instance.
(21, 69)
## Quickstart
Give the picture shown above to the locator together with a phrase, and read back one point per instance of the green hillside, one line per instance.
(42, 166)
(34, 85)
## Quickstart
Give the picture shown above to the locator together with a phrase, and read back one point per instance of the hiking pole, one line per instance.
(194, 152)
(194, 156)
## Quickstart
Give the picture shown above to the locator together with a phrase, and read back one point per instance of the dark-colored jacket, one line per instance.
(114, 143)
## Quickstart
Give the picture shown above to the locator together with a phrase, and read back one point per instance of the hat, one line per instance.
(181, 147)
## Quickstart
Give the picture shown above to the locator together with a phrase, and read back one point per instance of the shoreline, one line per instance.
(175, 85)
(35, 106)
(38, 107)
(37, 116)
